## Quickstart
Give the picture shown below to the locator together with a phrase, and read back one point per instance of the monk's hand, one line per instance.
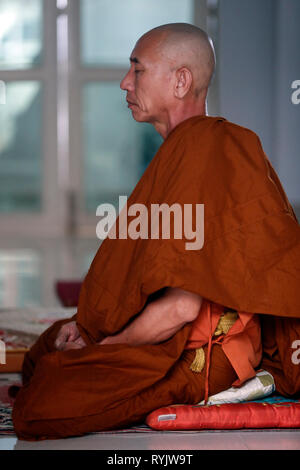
(69, 337)
(113, 339)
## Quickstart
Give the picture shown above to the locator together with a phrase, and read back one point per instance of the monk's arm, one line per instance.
(160, 319)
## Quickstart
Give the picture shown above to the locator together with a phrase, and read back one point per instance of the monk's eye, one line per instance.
(137, 71)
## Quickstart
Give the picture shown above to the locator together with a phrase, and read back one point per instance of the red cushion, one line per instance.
(272, 412)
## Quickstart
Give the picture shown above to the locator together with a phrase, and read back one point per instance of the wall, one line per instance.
(258, 60)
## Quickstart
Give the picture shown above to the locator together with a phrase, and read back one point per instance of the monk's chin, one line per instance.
(139, 116)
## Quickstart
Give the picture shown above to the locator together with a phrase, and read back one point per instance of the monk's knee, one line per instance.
(30, 405)
(43, 345)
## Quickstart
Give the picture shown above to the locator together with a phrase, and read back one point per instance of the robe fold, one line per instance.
(249, 262)
(100, 388)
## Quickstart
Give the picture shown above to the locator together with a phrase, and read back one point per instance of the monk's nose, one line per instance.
(126, 83)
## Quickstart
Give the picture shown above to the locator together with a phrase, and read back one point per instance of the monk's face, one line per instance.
(149, 82)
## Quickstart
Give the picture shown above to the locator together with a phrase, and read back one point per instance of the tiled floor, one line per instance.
(189, 440)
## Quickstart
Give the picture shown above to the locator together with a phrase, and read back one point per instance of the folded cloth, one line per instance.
(262, 385)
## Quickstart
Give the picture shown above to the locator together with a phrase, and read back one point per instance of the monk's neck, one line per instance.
(175, 118)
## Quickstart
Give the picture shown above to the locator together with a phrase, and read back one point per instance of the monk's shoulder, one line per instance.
(205, 128)
(203, 140)
(220, 127)
(231, 128)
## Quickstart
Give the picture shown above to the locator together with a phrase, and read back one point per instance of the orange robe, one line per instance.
(241, 343)
(249, 262)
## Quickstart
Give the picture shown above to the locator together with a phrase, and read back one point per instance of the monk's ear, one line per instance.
(183, 82)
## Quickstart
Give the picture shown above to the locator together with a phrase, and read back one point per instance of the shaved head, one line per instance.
(171, 68)
(185, 45)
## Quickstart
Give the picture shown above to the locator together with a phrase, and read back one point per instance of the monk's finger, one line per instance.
(80, 341)
(71, 331)
(71, 345)
(68, 332)
(61, 337)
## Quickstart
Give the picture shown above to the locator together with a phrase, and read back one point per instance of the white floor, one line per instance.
(189, 440)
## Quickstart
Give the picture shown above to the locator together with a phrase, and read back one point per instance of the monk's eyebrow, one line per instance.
(135, 60)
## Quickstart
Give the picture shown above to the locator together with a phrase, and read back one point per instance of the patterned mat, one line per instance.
(6, 403)
(6, 424)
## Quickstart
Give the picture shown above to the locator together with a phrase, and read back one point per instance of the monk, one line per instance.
(158, 323)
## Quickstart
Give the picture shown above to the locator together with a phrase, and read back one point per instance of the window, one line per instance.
(67, 139)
